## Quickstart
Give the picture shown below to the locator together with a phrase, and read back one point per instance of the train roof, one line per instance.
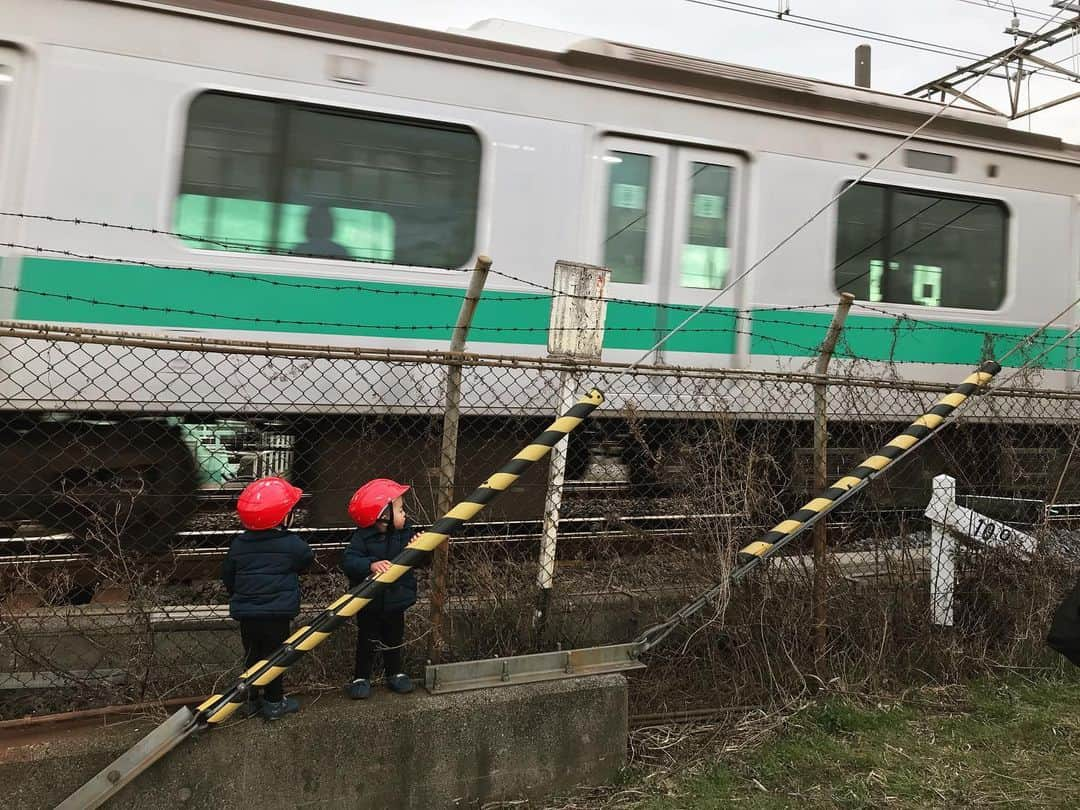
(562, 55)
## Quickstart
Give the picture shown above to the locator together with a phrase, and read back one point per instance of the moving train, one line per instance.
(268, 172)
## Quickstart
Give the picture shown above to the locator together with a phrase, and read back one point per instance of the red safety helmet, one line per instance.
(370, 501)
(265, 503)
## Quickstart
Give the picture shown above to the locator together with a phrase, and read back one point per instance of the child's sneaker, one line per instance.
(275, 711)
(359, 689)
(400, 683)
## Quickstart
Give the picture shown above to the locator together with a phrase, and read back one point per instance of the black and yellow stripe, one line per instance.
(219, 707)
(916, 433)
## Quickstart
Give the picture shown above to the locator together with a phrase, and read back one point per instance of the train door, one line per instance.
(8, 197)
(667, 232)
(8, 69)
(703, 257)
(632, 237)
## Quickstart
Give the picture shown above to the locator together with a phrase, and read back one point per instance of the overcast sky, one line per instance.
(727, 35)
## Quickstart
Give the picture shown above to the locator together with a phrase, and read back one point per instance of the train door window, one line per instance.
(328, 183)
(627, 224)
(909, 246)
(706, 259)
(7, 78)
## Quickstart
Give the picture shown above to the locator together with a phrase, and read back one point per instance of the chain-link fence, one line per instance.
(122, 457)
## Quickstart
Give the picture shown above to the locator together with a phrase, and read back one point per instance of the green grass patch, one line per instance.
(996, 743)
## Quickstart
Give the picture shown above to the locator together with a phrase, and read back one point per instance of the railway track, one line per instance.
(578, 536)
(47, 550)
(196, 554)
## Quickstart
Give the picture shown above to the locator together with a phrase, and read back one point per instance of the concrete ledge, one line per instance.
(417, 751)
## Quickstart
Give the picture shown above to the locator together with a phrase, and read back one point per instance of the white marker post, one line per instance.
(949, 520)
(578, 310)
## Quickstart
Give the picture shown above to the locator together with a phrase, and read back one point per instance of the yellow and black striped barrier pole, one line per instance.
(218, 708)
(755, 554)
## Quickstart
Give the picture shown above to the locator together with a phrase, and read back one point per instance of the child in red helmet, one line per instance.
(261, 575)
(378, 510)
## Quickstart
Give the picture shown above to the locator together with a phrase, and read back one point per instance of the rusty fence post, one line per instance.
(821, 471)
(440, 564)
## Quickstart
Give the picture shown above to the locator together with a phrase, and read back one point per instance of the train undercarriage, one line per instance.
(136, 481)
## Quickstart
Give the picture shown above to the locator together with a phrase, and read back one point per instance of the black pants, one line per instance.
(383, 630)
(261, 637)
(1064, 635)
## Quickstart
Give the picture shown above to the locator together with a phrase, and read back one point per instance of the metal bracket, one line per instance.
(520, 669)
(132, 762)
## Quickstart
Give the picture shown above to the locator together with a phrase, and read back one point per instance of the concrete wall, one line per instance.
(417, 751)
(149, 654)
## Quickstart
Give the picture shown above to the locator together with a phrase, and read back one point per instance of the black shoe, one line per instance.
(359, 689)
(275, 711)
(400, 683)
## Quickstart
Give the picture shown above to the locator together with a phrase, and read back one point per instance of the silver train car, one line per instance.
(300, 175)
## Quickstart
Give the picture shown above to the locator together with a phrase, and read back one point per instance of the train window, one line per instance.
(627, 227)
(281, 177)
(705, 258)
(906, 246)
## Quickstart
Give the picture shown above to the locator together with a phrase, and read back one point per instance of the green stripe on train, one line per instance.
(79, 291)
(903, 340)
(63, 291)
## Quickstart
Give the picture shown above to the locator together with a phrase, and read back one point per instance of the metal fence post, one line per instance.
(821, 468)
(448, 456)
(576, 333)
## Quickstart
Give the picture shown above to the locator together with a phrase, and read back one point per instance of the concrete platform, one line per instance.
(416, 751)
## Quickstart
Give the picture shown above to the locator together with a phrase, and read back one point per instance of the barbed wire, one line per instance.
(230, 244)
(361, 287)
(247, 247)
(255, 277)
(383, 326)
(549, 291)
(754, 315)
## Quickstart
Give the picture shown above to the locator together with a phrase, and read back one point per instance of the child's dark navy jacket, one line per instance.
(370, 545)
(260, 573)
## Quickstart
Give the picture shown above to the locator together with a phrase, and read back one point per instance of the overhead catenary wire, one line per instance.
(1020, 11)
(862, 34)
(840, 28)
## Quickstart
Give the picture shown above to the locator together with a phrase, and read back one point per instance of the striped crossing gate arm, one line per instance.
(218, 708)
(914, 435)
(754, 554)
